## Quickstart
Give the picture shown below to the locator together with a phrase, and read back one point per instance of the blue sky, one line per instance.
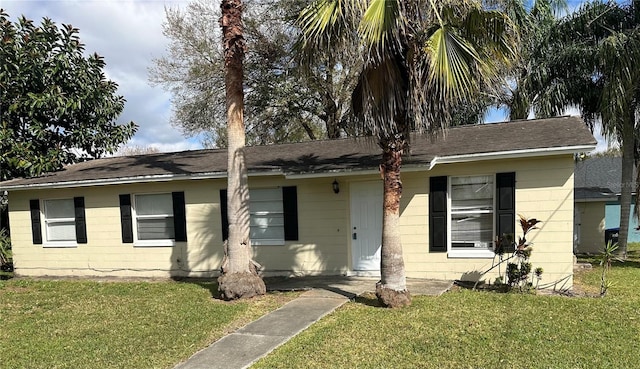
(128, 34)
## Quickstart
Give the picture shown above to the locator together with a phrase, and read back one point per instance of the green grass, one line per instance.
(466, 329)
(89, 324)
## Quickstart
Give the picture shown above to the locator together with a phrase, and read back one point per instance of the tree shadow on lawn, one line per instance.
(625, 264)
(208, 284)
(368, 299)
(481, 286)
(633, 260)
(211, 285)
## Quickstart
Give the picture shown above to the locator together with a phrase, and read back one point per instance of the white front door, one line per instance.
(366, 225)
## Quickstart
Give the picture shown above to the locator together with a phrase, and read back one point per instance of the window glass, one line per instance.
(59, 209)
(472, 212)
(156, 229)
(154, 204)
(60, 221)
(267, 216)
(154, 217)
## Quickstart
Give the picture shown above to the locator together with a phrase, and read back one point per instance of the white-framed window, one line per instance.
(471, 216)
(153, 220)
(267, 216)
(59, 223)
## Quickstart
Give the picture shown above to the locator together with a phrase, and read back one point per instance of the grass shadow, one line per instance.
(206, 283)
(482, 286)
(368, 299)
(626, 264)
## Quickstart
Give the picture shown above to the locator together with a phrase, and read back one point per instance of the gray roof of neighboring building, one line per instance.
(598, 178)
(525, 138)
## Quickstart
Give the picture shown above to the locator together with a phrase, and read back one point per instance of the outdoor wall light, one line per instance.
(336, 186)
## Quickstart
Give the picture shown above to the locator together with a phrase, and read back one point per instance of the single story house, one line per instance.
(316, 207)
(597, 203)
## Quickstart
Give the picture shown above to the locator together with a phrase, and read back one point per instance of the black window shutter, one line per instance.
(179, 216)
(126, 221)
(81, 223)
(36, 230)
(438, 214)
(290, 207)
(506, 206)
(223, 215)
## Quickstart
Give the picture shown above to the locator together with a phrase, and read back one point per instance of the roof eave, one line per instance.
(511, 154)
(128, 180)
(595, 199)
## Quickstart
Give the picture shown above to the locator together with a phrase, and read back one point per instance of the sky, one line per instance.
(128, 34)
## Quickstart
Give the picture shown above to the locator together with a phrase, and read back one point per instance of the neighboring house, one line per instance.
(316, 207)
(597, 208)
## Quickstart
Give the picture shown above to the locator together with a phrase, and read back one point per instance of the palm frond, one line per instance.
(380, 26)
(325, 25)
(321, 16)
(618, 55)
(450, 57)
(421, 59)
(471, 52)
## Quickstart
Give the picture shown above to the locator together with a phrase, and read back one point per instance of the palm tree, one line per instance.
(240, 278)
(421, 58)
(592, 58)
(533, 20)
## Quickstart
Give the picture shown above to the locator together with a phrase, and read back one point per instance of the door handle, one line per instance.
(354, 235)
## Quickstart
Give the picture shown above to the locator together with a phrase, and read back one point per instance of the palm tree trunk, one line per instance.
(626, 182)
(392, 288)
(239, 279)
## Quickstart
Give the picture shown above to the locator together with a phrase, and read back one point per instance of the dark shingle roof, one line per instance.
(598, 177)
(330, 156)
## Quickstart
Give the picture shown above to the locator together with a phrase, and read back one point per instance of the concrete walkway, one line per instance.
(245, 346)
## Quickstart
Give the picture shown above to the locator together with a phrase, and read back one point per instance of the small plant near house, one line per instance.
(608, 255)
(519, 270)
(518, 267)
(6, 260)
(538, 273)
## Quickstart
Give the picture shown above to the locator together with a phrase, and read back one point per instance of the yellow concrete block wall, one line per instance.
(323, 233)
(104, 254)
(544, 190)
(322, 228)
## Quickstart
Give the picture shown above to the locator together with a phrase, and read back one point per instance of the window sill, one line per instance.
(58, 244)
(267, 243)
(471, 254)
(154, 243)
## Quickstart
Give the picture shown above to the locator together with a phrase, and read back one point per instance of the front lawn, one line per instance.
(465, 329)
(89, 324)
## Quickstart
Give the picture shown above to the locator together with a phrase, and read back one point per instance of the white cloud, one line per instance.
(128, 34)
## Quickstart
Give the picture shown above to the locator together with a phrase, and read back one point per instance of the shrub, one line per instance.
(6, 259)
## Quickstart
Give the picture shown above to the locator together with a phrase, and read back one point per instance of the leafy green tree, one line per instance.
(283, 102)
(592, 63)
(56, 105)
(421, 58)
